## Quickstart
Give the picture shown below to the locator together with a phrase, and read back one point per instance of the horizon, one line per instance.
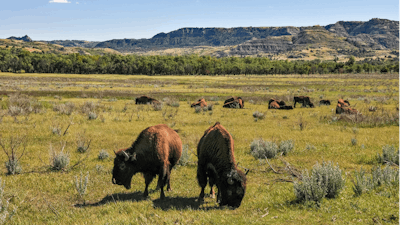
(100, 20)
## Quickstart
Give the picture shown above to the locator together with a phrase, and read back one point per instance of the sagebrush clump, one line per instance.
(59, 160)
(389, 154)
(103, 154)
(185, 157)
(261, 149)
(364, 182)
(325, 181)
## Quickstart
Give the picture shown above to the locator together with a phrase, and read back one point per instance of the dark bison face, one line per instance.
(235, 189)
(123, 169)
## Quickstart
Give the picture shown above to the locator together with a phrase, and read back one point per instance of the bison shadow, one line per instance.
(180, 203)
(117, 197)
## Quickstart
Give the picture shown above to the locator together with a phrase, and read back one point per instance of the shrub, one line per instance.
(389, 154)
(12, 151)
(362, 183)
(157, 106)
(325, 181)
(92, 115)
(81, 184)
(58, 160)
(258, 115)
(310, 147)
(88, 107)
(103, 154)
(13, 167)
(185, 157)
(378, 177)
(197, 109)
(286, 146)
(210, 107)
(81, 142)
(261, 149)
(353, 141)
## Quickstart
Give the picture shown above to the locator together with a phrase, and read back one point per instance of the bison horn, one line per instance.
(230, 181)
(115, 152)
(126, 155)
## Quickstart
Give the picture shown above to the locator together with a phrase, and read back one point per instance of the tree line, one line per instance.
(21, 60)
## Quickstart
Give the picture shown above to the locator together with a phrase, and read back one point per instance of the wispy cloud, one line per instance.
(59, 1)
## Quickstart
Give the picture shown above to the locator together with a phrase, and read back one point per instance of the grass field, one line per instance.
(46, 196)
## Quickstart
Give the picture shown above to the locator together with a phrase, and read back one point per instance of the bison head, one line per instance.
(124, 168)
(234, 190)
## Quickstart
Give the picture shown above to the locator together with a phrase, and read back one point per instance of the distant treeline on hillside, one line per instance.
(20, 60)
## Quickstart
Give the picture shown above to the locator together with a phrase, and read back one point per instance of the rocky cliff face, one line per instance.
(374, 34)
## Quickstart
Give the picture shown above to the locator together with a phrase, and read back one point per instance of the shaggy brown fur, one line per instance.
(146, 100)
(202, 103)
(217, 163)
(155, 152)
(233, 102)
(273, 105)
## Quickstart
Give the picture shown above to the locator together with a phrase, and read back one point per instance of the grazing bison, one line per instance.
(202, 103)
(155, 152)
(324, 102)
(343, 103)
(234, 102)
(304, 100)
(217, 163)
(146, 100)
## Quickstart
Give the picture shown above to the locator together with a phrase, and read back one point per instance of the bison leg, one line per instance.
(148, 178)
(202, 179)
(163, 179)
(211, 183)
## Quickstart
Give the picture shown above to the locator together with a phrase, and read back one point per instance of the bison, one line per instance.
(324, 102)
(276, 104)
(347, 110)
(343, 103)
(216, 161)
(234, 102)
(202, 103)
(146, 100)
(304, 100)
(155, 152)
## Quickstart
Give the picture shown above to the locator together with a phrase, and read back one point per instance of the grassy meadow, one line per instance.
(73, 110)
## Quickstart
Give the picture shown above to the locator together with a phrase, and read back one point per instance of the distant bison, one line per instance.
(347, 110)
(146, 100)
(234, 102)
(343, 103)
(155, 152)
(324, 102)
(277, 104)
(202, 103)
(217, 163)
(304, 100)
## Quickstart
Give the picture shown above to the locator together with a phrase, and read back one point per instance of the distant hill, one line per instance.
(24, 38)
(356, 38)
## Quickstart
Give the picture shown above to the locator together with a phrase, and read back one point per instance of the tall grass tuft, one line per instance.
(325, 181)
(364, 182)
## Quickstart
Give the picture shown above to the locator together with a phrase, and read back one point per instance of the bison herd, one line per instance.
(343, 106)
(158, 149)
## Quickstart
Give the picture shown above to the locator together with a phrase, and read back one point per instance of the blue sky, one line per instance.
(100, 20)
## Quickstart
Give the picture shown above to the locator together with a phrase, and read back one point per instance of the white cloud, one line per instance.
(77, 3)
(59, 1)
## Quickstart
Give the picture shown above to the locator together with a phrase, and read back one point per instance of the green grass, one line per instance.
(44, 196)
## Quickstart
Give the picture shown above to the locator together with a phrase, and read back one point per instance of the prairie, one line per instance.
(42, 195)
